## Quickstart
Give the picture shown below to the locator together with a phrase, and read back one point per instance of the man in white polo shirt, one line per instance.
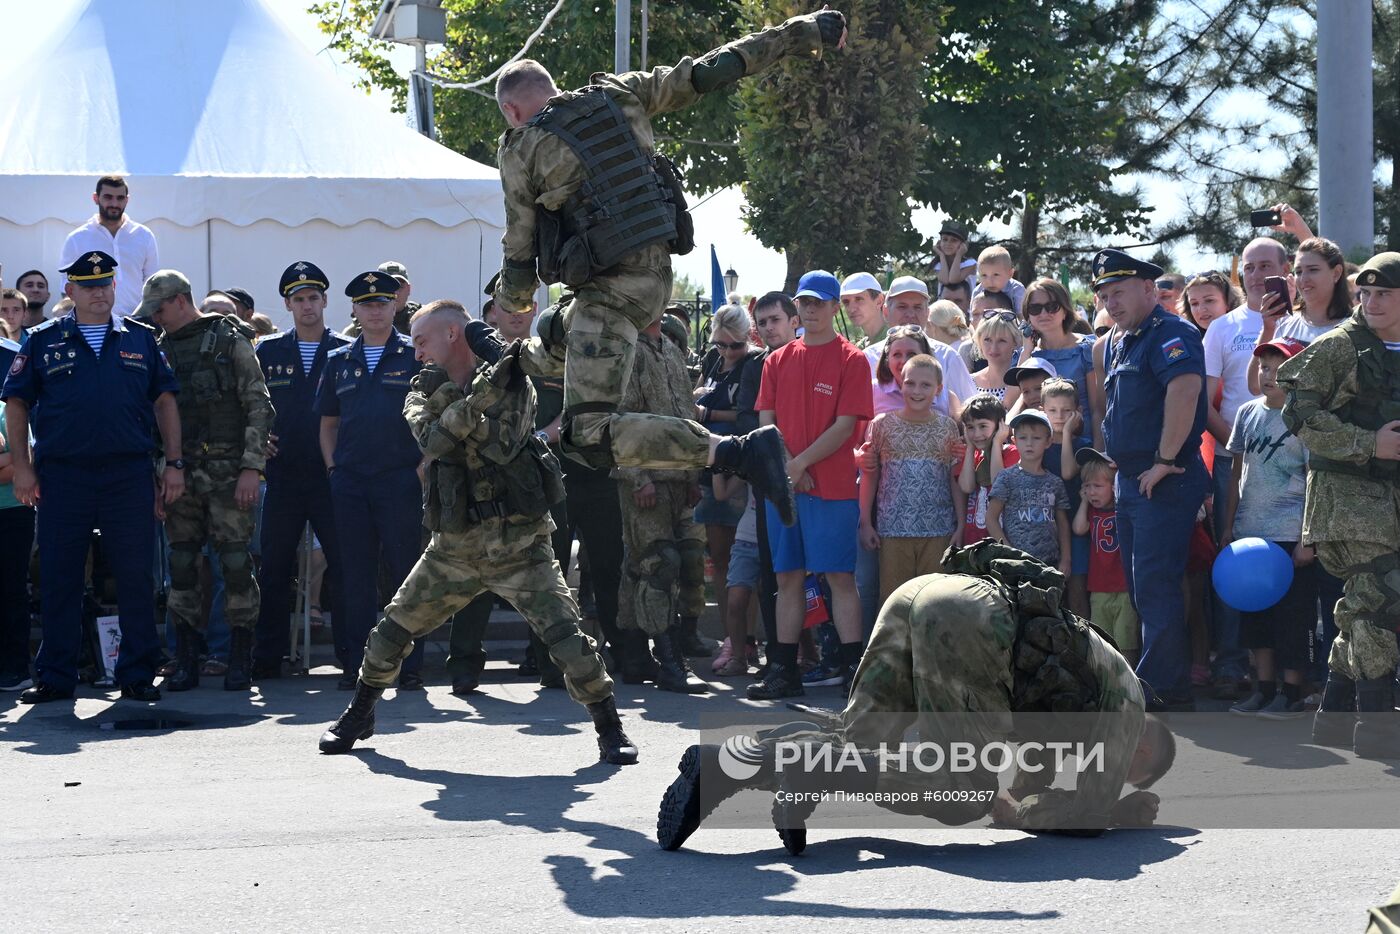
(907, 303)
(112, 232)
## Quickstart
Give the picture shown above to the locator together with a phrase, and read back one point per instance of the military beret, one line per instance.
(1113, 265)
(91, 269)
(302, 275)
(1381, 271)
(373, 286)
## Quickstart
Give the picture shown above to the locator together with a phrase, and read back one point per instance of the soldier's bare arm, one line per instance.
(172, 481)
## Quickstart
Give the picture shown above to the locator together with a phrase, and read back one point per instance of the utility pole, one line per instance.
(1345, 127)
(622, 43)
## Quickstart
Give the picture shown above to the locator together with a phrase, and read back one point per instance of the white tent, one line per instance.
(243, 153)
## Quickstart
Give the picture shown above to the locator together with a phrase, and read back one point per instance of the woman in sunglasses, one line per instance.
(998, 336)
(1049, 313)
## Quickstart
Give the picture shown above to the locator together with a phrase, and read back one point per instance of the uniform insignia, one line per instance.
(72, 355)
(359, 372)
(129, 355)
(94, 259)
(18, 366)
(1174, 349)
(371, 279)
(300, 267)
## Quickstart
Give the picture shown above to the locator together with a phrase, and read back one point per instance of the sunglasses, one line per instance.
(904, 330)
(1036, 309)
(733, 345)
(1007, 316)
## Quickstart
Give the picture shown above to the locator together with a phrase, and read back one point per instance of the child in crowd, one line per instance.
(1028, 378)
(1031, 500)
(1097, 520)
(1266, 501)
(1059, 400)
(994, 269)
(910, 503)
(987, 454)
(741, 581)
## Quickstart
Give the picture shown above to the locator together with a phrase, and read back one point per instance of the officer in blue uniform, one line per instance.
(372, 459)
(93, 386)
(298, 490)
(1155, 378)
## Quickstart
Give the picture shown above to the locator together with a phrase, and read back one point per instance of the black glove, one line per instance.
(483, 341)
(832, 24)
(491, 286)
(429, 379)
(508, 374)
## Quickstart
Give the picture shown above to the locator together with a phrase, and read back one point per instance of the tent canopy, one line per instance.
(215, 111)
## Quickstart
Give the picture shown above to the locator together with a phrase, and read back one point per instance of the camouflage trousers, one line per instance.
(1369, 610)
(207, 514)
(511, 559)
(602, 322)
(664, 559)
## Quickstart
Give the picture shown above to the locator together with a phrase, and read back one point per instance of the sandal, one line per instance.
(212, 666)
(725, 656)
(316, 618)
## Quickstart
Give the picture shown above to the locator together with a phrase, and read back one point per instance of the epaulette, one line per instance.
(8, 344)
(51, 323)
(128, 322)
(341, 351)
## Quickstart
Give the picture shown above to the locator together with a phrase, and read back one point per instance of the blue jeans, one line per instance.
(868, 588)
(1231, 661)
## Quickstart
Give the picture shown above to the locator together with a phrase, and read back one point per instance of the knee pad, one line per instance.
(184, 566)
(388, 641)
(236, 563)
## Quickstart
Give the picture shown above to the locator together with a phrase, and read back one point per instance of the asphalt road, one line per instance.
(492, 810)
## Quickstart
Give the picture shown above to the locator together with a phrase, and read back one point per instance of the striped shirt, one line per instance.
(372, 355)
(95, 335)
(308, 354)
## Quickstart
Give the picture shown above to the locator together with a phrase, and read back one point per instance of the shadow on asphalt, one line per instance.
(646, 882)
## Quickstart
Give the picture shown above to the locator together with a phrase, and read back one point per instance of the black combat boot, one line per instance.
(1334, 724)
(801, 790)
(1377, 733)
(692, 644)
(356, 723)
(760, 458)
(683, 806)
(613, 745)
(186, 674)
(239, 676)
(674, 674)
(638, 664)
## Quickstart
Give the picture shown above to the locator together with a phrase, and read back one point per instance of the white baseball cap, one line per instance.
(909, 284)
(859, 282)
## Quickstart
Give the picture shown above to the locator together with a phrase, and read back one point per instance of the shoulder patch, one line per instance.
(1174, 349)
(340, 351)
(8, 344)
(18, 366)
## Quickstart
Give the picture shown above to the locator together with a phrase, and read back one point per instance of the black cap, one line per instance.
(952, 228)
(1381, 271)
(1113, 265)
(241, 296)
(1085, 455)
(372, 286)
(302, 275)
(91, 269)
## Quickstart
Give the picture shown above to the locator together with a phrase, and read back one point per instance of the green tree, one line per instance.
(831, 146)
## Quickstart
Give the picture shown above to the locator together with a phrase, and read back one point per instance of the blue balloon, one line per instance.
(1251, 574)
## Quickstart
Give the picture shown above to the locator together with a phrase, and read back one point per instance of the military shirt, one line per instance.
(373, 436)
(85, 407)
(201, 386)
(293, 392)
(539, 169)
(659, 385)
(1139, 365)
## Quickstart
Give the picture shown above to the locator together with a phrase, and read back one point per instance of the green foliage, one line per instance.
(831, 146)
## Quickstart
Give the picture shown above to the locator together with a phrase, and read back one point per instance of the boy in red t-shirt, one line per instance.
(817, 391)
(988, 453)
(1109, 605)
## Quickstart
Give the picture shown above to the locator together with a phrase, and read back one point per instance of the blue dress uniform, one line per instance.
(298, 490)
(377, 496)
(94, 427)
(1154, 534)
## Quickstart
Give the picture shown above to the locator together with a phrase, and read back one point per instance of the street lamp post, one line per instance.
(731, 281)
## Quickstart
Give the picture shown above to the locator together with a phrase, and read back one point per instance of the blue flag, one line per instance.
(717, 294)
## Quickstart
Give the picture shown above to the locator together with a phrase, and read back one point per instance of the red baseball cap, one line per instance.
(1284, 345)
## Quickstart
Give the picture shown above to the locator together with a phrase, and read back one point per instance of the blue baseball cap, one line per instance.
(819, 284)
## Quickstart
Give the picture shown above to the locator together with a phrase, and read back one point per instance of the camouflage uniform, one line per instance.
(607, 312)
(664, 566)
(1353, 520)
(225, 414)
(974, 641)
(510, 555)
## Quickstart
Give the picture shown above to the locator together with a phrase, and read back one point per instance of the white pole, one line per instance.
(1345, 126)
(622, 44)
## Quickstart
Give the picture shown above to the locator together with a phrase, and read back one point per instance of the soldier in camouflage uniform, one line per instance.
(664, 546)
(1344, 404)
(490, 483)
(611, 242)
(225, 414)
(990, 639)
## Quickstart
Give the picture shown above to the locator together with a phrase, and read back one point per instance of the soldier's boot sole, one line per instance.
(679, 815)
(333, 743)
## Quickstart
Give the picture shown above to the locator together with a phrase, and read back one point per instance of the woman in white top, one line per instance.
(1323, 300)
(998, 336)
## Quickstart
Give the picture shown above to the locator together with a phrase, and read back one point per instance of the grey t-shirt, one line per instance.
(1274, 478)
(1028, 511)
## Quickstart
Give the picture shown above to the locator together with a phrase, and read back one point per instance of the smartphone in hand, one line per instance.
(1278, 285)
(1268, 217)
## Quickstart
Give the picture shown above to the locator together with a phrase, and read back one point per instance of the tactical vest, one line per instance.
(1052, 671)
(1377, 400)
(459, 496)
(212, 420)
(629, 198)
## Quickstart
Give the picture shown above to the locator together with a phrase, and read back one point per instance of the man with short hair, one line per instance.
(35, 286)
(219, 303)
(94, 386)
(298, 489)
(132, 245)
(1155, 413)
(242, 304)
(907, 303)
(403, 308)
(225, 414)
(864, 303)
(959, 293)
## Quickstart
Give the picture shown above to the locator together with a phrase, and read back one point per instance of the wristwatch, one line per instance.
(1164, 461)
(178, 463)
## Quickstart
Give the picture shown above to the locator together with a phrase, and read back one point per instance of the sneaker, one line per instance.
(1250, 706)
(15, 682)
(781, 681)
(1280, 709)
(821, 677)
